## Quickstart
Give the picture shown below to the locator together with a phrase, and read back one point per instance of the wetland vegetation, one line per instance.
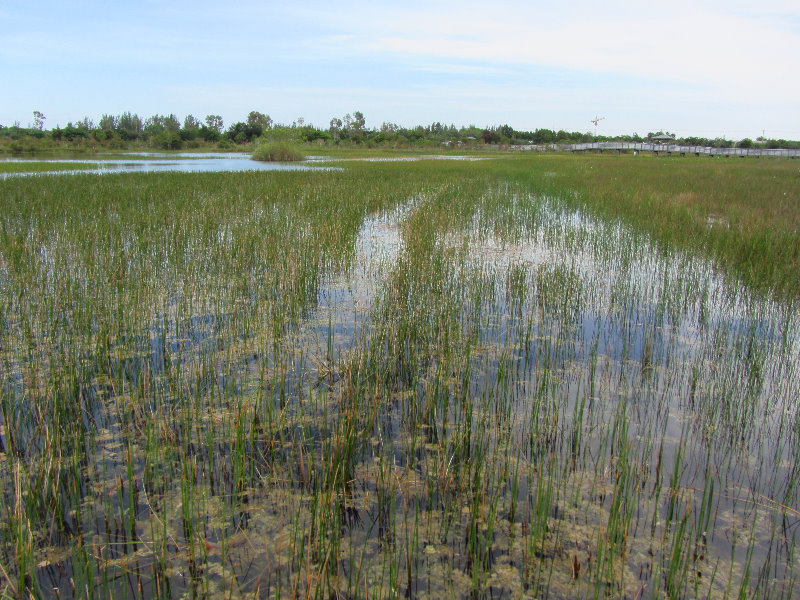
(277, 152)
(519, 377)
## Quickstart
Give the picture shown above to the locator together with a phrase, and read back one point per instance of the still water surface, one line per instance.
(149, 162)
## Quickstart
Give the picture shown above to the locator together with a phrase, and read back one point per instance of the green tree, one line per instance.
(214, 122)
(153, 126)
(171, 123)
(129, 126)
(167, 140)
(336, 129)
(108, 123)
(354, 126)
(490, 136)
(242, 133)
(308, 133)
(71, 132)
(86, 123)
(158, 124)
(190, 123)
(257, 120)
(39, 119)
(543, 136)
(191, 128)
(507, 132)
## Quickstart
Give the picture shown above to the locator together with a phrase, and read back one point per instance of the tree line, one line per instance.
(167, 132)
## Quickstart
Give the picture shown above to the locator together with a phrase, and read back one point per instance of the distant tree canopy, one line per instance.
(169, 133)
(214, 122)
(258, 120)
(129, 126)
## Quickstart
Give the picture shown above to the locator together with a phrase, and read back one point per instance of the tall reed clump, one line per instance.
(277, 151)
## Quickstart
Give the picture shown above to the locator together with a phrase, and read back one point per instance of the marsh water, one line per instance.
(590, 416)
(186, 162)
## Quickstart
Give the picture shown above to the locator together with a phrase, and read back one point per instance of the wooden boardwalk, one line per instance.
(670, 149)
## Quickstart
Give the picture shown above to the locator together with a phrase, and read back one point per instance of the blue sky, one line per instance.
(715, 69)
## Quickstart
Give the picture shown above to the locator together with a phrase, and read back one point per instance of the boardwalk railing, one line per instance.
(675, 149)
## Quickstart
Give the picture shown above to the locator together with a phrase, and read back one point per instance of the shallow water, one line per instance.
(181, 162)
(209, 162)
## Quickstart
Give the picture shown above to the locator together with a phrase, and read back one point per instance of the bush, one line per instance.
(277, 151)
(168, 140)
(28, 144)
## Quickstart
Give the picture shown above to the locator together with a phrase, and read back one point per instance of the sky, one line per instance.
(695, 68)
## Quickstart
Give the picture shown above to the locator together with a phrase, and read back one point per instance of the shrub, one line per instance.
(168, 140)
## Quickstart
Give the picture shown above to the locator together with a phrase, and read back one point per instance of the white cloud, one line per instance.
(708, 43)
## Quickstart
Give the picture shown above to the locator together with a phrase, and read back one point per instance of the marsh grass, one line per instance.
(431, 379)
(42, 166)
(743, 214)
